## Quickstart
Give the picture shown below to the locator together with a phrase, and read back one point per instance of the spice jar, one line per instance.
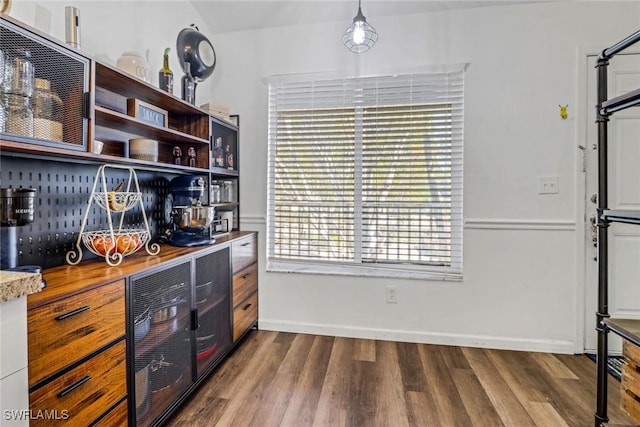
(19, 115)
(47, 112)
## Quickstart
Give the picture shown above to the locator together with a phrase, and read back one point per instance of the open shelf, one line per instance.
(109, 118)
(628, 329)
(123, 83)
(224, 172)
(629, 99)
(46, 153)
(629, 217)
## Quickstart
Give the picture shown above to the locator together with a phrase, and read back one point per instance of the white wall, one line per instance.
(523, 271)
(522, 285)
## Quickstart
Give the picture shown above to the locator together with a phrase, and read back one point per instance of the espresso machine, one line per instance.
(17, 209)
(189, 222)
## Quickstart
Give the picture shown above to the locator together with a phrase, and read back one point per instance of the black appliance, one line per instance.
(17, 209)
(189, 221)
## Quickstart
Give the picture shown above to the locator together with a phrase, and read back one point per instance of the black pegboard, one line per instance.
(62, 193)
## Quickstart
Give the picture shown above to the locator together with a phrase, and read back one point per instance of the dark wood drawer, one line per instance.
(244, 252)
(65, 331)
(245, 315)
(245, 283)
(118, 416)
(86, 391)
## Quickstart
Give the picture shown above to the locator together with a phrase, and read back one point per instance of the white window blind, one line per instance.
(365, 175)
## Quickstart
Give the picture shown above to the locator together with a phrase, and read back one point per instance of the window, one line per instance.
(365, 176)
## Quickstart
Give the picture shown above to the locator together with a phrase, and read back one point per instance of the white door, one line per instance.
(624, 193)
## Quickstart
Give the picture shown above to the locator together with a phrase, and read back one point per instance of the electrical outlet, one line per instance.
(392, 295)
(548, 184)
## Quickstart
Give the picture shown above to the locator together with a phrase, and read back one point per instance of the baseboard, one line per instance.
(462, 340)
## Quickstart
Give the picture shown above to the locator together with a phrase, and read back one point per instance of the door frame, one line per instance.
(585, 64)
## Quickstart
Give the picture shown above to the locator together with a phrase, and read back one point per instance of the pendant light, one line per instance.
(360, 36)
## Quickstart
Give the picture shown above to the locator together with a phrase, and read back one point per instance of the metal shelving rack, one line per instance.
(628, 329)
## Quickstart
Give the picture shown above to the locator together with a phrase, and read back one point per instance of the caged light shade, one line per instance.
(360, 36)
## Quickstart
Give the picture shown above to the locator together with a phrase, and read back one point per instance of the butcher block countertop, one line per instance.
(15, 284)
(67, 280)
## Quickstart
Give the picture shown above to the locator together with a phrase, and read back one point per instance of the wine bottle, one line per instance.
(228, 158)
(165, 75)
(188, 85)
(218, 153)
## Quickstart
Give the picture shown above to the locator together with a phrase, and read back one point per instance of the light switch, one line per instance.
(548, 184)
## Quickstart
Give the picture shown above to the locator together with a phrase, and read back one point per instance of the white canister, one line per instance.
(135, 64)
(143, 149)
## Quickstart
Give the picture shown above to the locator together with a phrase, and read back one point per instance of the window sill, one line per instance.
(413, 272)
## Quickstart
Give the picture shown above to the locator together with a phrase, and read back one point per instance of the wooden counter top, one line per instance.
(67, 280)
(15, 284)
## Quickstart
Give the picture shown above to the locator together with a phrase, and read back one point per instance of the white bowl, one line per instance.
(143, 149)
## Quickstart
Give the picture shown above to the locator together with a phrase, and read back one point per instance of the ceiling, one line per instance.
(223, 16)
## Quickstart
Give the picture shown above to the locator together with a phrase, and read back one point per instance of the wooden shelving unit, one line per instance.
(97, 99)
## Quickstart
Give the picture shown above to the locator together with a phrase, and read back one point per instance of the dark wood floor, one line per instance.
(283, 379)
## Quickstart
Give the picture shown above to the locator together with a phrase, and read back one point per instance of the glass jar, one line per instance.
(215, 193)
(3, 57)
(19, 73)
(227, 191)
(19, 115)
(47, 112)
(3, 112)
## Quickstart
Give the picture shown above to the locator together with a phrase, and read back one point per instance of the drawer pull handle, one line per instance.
(74, 386)
(246, 275)
(73, 313)
(246, 307)
(246, 244)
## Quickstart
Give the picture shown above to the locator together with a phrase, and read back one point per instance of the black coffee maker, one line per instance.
(17, 209)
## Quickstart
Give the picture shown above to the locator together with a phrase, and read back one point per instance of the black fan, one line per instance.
(194, 48)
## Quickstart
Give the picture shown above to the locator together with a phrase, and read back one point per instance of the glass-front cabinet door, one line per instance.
(161, 339)
(212, 289)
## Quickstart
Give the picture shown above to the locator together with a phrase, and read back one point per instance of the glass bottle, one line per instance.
(188, 85)
(165, 75)
(218, 154)
(19, 115)
(191, 154)
(228, 157)
(47, 112)
(177, 155)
